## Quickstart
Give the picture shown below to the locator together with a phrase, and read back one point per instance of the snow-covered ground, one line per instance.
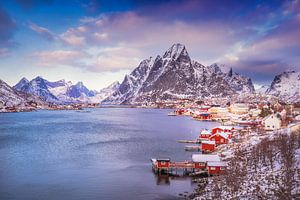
(260, 166)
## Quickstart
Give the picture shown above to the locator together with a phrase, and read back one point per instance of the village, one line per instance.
(241, 124)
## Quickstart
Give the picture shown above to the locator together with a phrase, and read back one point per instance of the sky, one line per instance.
(99, 41)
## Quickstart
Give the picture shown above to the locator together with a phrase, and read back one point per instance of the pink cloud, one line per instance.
(44, 32)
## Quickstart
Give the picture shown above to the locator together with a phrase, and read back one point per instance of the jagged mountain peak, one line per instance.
(175, 51)
(175, 76)
(21, 83)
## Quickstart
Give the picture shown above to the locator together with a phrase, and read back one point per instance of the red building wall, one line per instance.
(163, 164)
(218, 139)
(216, 170)
(207, 147)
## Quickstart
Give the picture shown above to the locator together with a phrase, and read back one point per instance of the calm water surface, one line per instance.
(95, 154)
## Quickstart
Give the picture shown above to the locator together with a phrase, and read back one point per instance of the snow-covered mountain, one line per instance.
(174, 76)
(37, 86)
(10, 97)
(262, 89)
(63, 91)
(286, 86)
(105, 92)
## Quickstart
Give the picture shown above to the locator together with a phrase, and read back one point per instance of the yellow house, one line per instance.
(239, 108)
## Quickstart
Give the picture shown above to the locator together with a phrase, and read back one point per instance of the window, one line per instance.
(222, 168)
(212, 168)
(222, 140)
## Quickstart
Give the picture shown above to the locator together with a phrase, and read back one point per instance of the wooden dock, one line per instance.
(175, 168)
(189, 141)
(193, 148)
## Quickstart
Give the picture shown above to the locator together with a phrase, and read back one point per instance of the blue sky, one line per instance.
(98, 42)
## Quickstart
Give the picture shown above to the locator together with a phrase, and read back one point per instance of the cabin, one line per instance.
(163, 163)
(220, 138)
(205, 134)
(220, 129)
(216, 167)
(204, 116)
(200, 160)
(272, 122)
(208, 146)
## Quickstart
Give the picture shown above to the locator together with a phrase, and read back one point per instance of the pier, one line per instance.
(165, 166)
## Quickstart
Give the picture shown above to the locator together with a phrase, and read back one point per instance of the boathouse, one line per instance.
(216, 167)
(208, 146)
(200, 160)
(163, 163)
(220, 138)
(204, 116)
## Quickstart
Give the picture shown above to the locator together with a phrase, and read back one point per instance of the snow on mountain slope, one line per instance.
(104, 93)
(263, 89)
(11, 97)
(64, 91)
(37, 86)
(174, 75)
(286, 86)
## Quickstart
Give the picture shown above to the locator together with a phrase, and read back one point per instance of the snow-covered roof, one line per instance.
(208, 142)
(205, 132)
(222, 134)
(205, 158)
(216, 164)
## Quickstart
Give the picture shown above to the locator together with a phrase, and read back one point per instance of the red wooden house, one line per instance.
(204, 116)
(208, 146)
(224, 129)
(200, 160)
(216, 168)
(163, 163)
(220, 138)
(205, 134)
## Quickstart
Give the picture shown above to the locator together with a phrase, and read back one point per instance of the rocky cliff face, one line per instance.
(175, 76)
(10, 97)
(286, 86)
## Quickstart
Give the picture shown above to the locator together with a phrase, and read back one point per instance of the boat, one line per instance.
(172, 114)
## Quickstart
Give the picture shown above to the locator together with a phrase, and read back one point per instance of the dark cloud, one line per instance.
(7, 29)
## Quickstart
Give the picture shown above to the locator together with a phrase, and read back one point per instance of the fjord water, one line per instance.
(92, 154)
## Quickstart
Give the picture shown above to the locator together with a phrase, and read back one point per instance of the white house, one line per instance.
(272, 122)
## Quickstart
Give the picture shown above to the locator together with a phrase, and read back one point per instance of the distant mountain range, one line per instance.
(62, 91)
(174, 75)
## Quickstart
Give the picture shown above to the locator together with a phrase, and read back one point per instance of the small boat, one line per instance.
(172, 114)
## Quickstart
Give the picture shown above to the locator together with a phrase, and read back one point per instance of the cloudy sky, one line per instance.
(99, 41)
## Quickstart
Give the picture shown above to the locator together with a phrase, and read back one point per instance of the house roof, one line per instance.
(163, 159)
(205, 132)
(222, 134)
(208, 142)
(205, 158)
(216, 164)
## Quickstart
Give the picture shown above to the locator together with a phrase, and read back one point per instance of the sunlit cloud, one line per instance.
(44, 32)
